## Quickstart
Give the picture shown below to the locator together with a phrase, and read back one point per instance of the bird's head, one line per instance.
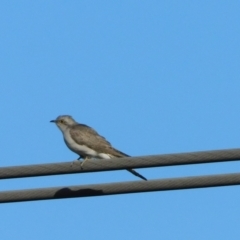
(63, 122)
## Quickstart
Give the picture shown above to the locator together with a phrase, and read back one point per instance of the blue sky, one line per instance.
(153, 77)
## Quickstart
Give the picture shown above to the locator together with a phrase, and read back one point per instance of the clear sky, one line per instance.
(153, 77)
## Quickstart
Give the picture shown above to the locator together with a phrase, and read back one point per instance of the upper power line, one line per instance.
(120, 163)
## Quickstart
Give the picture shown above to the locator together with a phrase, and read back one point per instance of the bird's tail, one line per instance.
(136, 174)
(119, 154)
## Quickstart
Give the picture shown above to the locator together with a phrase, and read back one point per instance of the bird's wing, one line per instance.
(85, 135)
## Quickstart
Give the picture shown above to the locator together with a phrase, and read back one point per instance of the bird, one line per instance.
(87, 143)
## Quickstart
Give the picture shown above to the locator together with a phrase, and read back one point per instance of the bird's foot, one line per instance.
(84, 160)
(75, 161)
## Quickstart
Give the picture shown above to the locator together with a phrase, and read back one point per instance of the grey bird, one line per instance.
(86, 142)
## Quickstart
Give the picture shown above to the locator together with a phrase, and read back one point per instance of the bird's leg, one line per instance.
(76, 160)
(84, 160)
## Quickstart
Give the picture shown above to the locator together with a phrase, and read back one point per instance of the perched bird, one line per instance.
(86, 142)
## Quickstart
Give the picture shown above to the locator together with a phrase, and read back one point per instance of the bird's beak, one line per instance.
(53, 121)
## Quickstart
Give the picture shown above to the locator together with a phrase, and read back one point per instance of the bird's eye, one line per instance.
(61, 121)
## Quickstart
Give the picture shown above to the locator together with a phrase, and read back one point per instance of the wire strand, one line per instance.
(97, 165)
(120, 188)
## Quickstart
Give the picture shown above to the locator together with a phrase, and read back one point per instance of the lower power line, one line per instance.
(120, 188)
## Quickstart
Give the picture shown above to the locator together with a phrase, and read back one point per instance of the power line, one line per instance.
(120, 163)
(120, 188)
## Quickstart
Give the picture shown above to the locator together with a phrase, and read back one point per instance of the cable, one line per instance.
(120, 188)
(97, 165)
